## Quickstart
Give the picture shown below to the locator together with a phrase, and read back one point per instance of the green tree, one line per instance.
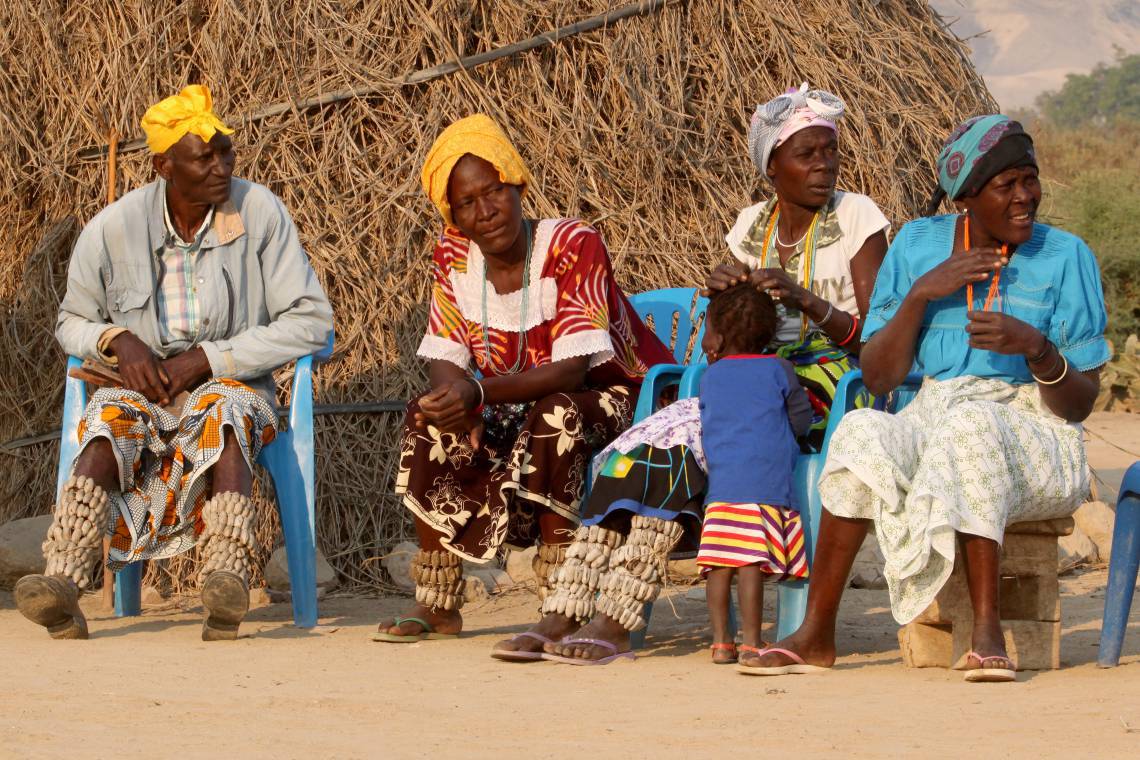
(1104, 95)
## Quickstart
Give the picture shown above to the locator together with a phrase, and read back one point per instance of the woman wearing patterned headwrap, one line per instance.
(816, 250)
(498, 457)
(1005, 318)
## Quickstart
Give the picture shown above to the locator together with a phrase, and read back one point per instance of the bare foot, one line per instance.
(600, 627)
(552, 626)
(987, 639)
(441, 621)
(814, 651)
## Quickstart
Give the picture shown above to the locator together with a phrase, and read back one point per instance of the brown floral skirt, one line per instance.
(533, 457)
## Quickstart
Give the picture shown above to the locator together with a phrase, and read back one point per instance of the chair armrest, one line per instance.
(659, 377)
(301, 399)
(325, 353)
(691, 382)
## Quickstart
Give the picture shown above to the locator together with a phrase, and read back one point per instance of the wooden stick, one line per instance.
(112, 165)
(112, 170)
(640, 8)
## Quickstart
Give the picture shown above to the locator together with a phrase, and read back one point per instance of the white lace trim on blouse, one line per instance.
(503, 310)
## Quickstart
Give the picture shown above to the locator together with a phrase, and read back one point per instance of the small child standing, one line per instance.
(752, 411)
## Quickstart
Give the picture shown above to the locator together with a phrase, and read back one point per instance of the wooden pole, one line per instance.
(112, 169)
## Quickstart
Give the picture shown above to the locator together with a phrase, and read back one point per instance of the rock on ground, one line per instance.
(398, 564)
(277, 571)
(21, 551)
(1075, 549)
(520, 565)
(867, 570)
(474, 589)
(1096, 519)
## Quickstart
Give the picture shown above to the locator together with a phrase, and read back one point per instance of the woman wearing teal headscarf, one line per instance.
(1005, 319)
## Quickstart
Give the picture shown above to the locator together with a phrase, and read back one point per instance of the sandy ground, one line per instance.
(149, 686)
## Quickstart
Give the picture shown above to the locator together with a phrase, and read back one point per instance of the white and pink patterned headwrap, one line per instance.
(781, 117)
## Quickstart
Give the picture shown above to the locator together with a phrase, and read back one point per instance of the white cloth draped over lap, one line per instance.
(968, 454)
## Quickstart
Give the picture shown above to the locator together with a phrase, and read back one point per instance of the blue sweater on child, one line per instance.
(752, 411)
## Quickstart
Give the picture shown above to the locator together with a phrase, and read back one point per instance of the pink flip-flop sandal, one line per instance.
(514, 655)
(797, 666)
(596, 642)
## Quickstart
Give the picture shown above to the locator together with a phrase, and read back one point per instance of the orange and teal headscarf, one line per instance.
(976, 151)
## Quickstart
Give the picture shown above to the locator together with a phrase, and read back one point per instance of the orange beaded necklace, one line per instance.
(993, 293)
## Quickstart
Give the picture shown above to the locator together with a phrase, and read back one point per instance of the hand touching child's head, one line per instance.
(739, 320)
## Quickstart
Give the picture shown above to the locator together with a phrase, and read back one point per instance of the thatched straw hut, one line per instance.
(637, 125)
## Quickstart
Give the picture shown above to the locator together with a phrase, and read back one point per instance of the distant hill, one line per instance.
(1028, 46)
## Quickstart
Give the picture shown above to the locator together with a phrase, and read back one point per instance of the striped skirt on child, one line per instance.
(735, 535)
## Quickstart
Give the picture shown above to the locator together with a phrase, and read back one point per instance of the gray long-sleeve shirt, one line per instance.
(259, 302)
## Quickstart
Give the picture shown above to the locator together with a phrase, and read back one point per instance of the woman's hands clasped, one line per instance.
(451, 408)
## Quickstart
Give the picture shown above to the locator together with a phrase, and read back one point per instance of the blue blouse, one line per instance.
(1052, 282)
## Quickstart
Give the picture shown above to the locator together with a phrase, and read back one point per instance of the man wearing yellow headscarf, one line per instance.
(182, 297)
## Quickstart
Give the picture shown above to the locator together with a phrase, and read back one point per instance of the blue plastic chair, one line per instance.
(289, 460)
(1122, 570)
(687, 307)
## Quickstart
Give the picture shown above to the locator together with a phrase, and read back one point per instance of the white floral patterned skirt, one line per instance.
(967, 455)
(533, 457)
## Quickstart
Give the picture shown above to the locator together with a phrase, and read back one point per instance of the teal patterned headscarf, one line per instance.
(978, 149)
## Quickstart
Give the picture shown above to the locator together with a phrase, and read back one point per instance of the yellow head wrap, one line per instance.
(480, 136)
(189, 112)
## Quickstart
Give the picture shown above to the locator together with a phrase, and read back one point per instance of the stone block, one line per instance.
(1034, 597)
(952, 602)
(926, 646)
(1058, 526)
(1027, 554)
(1032, 645)
(1031, 598)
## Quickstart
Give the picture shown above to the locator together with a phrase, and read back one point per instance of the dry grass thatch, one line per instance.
(638, 127)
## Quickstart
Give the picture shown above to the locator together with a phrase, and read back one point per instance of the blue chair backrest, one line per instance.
(687, 307)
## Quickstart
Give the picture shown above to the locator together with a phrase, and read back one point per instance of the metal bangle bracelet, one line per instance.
(827, 316)
(1060, 377)
(482, 393)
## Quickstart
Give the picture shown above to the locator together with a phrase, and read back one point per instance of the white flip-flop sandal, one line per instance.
(989, 675)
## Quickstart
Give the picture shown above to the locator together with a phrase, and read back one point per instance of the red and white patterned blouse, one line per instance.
(575, 308)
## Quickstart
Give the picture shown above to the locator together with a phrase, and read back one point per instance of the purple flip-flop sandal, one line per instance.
(596, 642)
(513, 655)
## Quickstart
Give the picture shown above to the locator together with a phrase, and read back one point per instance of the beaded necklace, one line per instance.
(808, 257)
(520, 360)
(994, 293)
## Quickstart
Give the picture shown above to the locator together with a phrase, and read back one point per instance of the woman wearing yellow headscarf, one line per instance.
(535, 360)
